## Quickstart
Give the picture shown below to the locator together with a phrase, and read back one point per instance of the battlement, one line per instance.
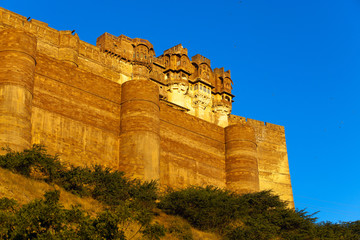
(110, 56)
(199, 59)
(140, 41)
(233, 119)
(178, 49)
(221, 72)
(101, 105)
(38, 28)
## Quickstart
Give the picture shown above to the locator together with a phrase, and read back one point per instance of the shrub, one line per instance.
(180, 229)
(153, 231)
(33, 160)
(103, 184)
(76, 180)
(205, 208)
(260, 215)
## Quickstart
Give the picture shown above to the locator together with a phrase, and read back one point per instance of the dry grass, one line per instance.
(24, 190)
(177, 223)
(199, 235)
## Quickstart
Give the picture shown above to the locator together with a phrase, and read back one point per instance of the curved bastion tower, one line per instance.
(165, 118)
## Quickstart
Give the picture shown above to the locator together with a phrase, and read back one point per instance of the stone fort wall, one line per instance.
(101, 105)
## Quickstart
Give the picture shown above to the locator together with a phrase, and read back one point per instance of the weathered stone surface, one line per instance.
(17, 66)
(116, 104)
(242, 169)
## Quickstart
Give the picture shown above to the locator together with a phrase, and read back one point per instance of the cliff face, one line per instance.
(116, 104)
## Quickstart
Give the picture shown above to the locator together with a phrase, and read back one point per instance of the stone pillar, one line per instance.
(242, 174)
(140, 129)
(17, 67)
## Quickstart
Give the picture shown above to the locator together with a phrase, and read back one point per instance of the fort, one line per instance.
(116, 104)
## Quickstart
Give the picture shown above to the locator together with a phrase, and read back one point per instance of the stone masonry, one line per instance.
(116, 104)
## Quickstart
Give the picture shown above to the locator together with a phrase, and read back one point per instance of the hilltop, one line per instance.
(43, 198)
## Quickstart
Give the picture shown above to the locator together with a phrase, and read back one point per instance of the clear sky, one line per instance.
(293, 63)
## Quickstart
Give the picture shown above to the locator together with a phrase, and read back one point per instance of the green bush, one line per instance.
(76, 180)
(33, 160)
(205, 208)
(342, 230)
(110, 187)
(40, 219)
(260, 215)
(48, 219)
(103, 184)
(180, 229)
(154, 231)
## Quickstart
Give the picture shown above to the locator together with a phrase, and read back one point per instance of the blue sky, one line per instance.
(293, 63)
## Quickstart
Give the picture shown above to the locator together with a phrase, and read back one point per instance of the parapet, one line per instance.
(233, 119)
(178, 49)
(199, 59)
(111, 100)
(123, 46)
(221, 72)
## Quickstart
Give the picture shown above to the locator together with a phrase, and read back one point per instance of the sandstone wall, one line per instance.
(79, 101)
(75, 113)
(272, 156)
(192, 150)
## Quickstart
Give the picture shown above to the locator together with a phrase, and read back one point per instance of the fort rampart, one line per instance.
(116, 104)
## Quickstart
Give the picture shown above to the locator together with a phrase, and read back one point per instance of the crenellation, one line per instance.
(11, 18)
(39, 23)
(199, 59)
(275, 127)
(178, 49)
(166, 118)
(36, 27)
(255, 123)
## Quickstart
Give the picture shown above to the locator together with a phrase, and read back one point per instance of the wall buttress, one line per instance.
(17, 66)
